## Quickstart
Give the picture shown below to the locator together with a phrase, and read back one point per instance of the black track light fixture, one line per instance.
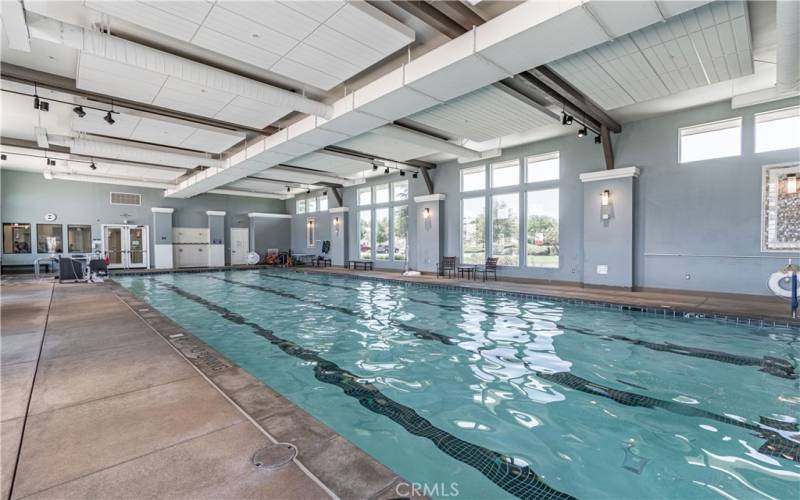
(50, 163)
(568, 120)
(402, 173)
(386, 171)
(308, 191)
(597, 139)
(109, 119)
(374, 166)
(415, 175)
(3, 157)
(582, 132)
(93, 166)
(288, 189)
(36, 102)
(325, 193)
(79, 111)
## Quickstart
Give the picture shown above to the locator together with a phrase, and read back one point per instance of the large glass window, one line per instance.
(400, 231)
(711, 140)
(400, 191)
(778, 129)
(301, 206)
(473, 230)
(542, 228)
(311, 205)
(365, 234)
(382, 193)
(323, 203)
(365, 196)
(505, 174)
(382, 233)
(79, 238)
(542, 167)
(473, 179)
(16, 238)
(49, 238)
(505, 229)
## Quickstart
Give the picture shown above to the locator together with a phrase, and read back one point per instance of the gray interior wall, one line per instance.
(322, 221)
(269, 232)
(608, 242)
(162, 229)
(699, 220)
(27, 197)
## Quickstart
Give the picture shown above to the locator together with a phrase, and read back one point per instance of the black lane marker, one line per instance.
(517, 480)
(777, 445)
(777, 367)
(420, 333)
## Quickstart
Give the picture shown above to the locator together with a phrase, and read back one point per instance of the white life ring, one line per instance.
(253, 258)
(774, 284)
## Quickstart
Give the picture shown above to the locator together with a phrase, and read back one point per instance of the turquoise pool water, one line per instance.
(505, 397)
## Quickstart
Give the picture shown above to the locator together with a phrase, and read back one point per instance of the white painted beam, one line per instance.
(14, 25)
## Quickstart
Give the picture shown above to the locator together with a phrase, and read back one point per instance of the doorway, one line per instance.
(240, 245)
(126, 246)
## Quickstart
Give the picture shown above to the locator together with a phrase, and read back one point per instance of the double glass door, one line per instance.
(126, 246)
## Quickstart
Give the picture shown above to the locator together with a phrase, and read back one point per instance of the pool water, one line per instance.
(493, 396)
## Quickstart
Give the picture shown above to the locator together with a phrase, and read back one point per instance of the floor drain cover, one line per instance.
(274, 456)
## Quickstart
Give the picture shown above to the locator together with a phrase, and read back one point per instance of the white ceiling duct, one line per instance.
(117, 151)
(112, 180)
(143, 57)
(249, 194)
(788, 46)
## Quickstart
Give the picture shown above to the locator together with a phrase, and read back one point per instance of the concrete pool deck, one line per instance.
(104, 397)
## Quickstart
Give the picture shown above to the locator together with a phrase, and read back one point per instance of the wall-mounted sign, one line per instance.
(50, 217)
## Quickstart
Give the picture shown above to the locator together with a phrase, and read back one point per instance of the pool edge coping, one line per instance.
(247, 392)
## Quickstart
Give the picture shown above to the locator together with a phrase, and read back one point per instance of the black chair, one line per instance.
(489, 268)
(323, 260)
(447, 266)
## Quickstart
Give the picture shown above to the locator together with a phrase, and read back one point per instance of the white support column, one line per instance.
(338, 251)
(162, 237)
(608, 224)
(216, 236)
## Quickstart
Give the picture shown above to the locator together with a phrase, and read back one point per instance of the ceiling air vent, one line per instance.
(126, 199)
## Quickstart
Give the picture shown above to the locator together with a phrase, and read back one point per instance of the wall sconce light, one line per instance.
(791, 184)
(604, 196)
(427, 213)
(310, 222)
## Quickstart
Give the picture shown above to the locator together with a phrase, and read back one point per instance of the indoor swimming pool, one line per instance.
(498, 396)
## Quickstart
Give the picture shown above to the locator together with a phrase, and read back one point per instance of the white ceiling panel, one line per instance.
(306, 74)
(485, 114)
(246, 30)
(319, 11)
(110, 77)
(214, 142)
(149, 16)
(386, 147)
(194, 11)
(699, 47)
(224, 44)
(192, 98)
(320, 44)
(252, 113)
(258, 185)
(161, 132)
(330, 163)
(273, 15)
(321, 61)
(371, 27)
(327, 39)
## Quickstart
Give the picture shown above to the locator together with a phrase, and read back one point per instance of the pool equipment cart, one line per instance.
(786, 276)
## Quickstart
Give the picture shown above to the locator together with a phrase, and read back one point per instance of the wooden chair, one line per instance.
(489, 268)
(448, 266)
